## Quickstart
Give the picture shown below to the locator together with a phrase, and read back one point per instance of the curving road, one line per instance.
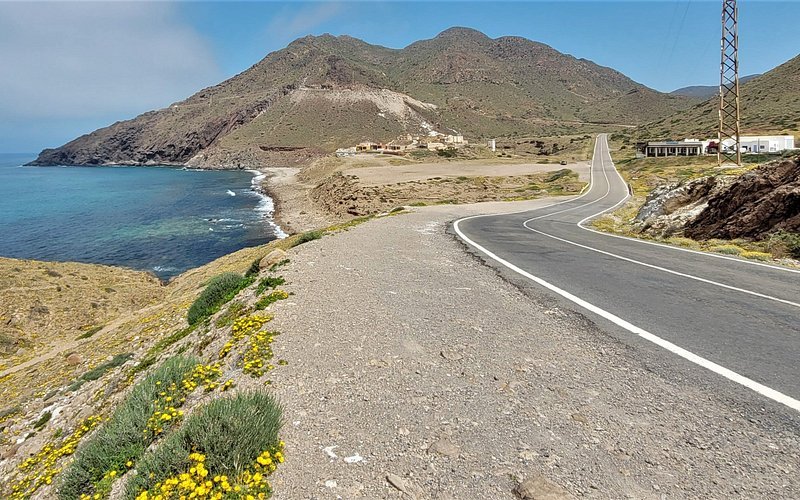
(736, 319)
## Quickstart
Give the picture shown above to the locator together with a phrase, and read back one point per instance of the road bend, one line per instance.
(736, 319)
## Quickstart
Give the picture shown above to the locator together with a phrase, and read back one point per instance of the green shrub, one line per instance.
(254, 268)
(560, 174)
(784, 244)
(220, 289)
(308, 236)
(447, 153)
(269, 282)
(91, 331)
(152, 355)
(42, 421)
(231, 432)
(266, 300)
(100, 370)
(228, 317)
(123, 437)
(727, 249)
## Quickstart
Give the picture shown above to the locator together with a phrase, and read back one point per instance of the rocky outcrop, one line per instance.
(670, 207)
(753, 205)
(758, 203)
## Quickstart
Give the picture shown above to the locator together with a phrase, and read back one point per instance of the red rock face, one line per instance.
(757, 204)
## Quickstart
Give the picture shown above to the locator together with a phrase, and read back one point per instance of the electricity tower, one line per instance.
(729, 87)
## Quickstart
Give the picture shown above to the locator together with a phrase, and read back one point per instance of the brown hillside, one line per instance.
(770, 103)
(324, 92)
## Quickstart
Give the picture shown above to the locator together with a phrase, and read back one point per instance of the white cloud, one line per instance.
(83, 60)
(292, 22)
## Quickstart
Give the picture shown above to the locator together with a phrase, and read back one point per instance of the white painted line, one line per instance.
(689, 356)
(671, 247)
(638, 262)
(694, 358)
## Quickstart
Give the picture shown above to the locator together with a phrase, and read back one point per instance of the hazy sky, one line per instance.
(68, 68)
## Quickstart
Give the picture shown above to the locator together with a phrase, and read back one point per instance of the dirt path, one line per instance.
(409, 358)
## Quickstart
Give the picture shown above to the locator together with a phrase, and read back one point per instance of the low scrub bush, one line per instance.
(90, 331)
(100, 370)
(220, 290)
(784, 244)
(152, 355)
(235, 310)
(308, 236)
(727, 249)
(42, 421)
(273, 297)
(227, 437)
(123, 438)
(254, 268)
(762, 256)
(560, 174)
(270, 282)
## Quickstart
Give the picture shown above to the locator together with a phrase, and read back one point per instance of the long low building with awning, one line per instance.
(674, 148)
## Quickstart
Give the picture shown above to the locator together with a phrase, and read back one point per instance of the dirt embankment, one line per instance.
(755, 205)
(344, 195)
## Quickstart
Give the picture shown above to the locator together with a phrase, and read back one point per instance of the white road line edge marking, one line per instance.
(761, 389)
(662, 245)
(638, 262)
(694, 358)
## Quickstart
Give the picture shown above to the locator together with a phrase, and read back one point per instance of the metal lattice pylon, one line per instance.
(729, 87)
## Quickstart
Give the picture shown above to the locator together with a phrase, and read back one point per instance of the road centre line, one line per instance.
(663, 343)
(645, 264)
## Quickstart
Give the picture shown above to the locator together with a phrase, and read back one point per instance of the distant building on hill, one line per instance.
(674, 148)
(765, 143)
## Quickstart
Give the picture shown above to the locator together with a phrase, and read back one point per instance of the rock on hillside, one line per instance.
(750, 206)
(756, 204)
(324, 92)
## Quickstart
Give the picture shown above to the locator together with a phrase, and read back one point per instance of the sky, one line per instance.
(68, 68)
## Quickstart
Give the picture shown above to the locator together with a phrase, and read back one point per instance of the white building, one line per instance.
(766, 143)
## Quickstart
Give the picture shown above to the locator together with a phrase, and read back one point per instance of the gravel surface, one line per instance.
(415, 370)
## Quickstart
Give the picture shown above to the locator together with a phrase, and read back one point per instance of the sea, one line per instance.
(165, 220)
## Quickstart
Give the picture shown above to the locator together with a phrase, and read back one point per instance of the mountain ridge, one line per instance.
(319, 93)
(769, 104)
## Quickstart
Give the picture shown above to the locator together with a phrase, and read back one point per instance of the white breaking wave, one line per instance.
(231, 193)
(265, 206)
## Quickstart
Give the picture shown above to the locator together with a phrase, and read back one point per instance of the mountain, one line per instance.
(769, 103)
(706, 91)
(325, 92)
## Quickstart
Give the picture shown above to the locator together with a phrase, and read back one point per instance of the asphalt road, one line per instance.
(738, 320)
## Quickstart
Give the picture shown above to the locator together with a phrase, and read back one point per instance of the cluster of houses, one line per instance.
(697, 147)
(406, 144)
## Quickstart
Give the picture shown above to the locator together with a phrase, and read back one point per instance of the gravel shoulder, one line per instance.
(409, 357)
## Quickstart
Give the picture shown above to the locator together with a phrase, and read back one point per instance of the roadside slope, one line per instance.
(408, 357)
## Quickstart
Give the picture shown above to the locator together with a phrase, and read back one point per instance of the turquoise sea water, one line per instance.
(159, 219)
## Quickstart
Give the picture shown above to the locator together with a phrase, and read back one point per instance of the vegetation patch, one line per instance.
(90, 331)
(220, 290)
(225, 450)
(235, 310)
(42, 420)
(307, 236)
(270, 282)
(152, 355)
(784, 244)
(271, 298)
(40, 469)
(100, 370)
(125, 437)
